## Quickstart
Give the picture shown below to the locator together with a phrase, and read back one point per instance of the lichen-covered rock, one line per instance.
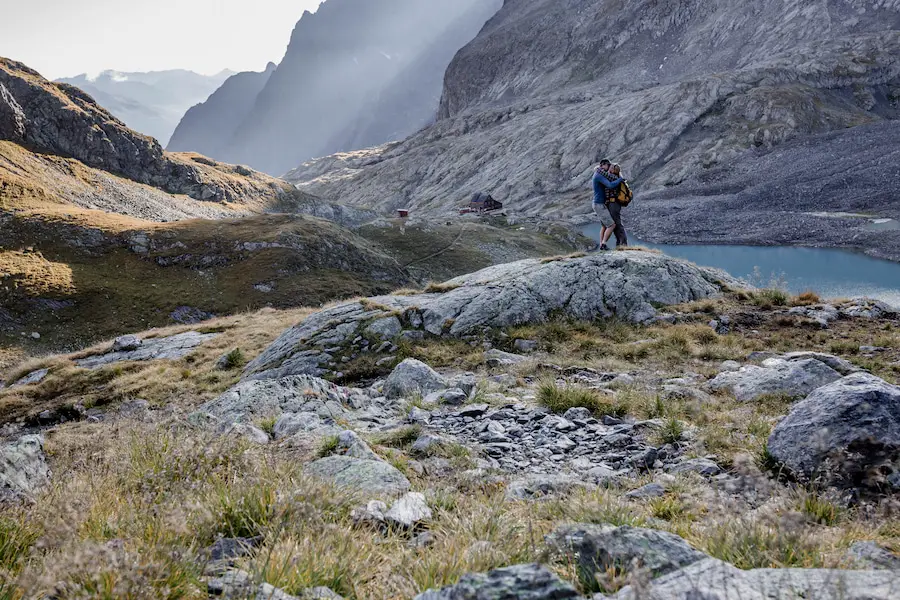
(519, 582)
(625, 284)
(712, 579)
(176, 346)
(795, 378)
(846, 433)
(372, 476)
(869, 555)
(409, 511)
(256, 399)
(23, 467)
(413, 377)
(598, 548)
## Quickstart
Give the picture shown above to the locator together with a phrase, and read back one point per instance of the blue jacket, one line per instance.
(600, 182)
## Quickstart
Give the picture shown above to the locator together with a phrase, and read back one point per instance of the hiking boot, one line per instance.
(594, 248)
(604, 247)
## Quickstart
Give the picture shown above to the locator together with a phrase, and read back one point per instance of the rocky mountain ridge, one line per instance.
(208, 126)
(355, 74)
(667, 90)
(152, 103)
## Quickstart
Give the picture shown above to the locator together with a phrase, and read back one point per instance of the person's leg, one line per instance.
(621, 236)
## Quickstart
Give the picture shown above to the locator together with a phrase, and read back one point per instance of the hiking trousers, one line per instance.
(615, 210)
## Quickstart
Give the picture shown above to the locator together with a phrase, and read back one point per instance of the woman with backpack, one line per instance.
(615, 201)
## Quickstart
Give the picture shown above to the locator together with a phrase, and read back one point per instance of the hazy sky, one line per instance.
(61, 38)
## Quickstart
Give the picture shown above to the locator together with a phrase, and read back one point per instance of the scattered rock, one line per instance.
(451, 397)
(226, 548)
(23, 468)
(188, 315)
(541, 486)
(598, 548)
(525, 345)
(126, 343)
(701, 466)
(869, 555)
(519, 582)
(497, 358)
(371, 514)
(846, 433)
(373, 476)
(426, 444)
(409, 512)
(350, 444)
(651, 490)
(32, 378)
(796, 378)
(423, 540)
(169, 348)
(413, 377)
(822, 314)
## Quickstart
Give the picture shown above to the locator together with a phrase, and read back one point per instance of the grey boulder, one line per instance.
(795, 378)
(712, 579)
(350, 444)
(846, 433)
(869, 555)
(598, 548)
(413, 377)
(409, 511)
(541, 486)
(519, 582)
(373, 476)
(23, 467)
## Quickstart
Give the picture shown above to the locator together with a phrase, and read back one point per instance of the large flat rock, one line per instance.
(628, 285)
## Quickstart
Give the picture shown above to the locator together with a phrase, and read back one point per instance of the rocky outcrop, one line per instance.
(61, 120)
(625, 284)
(846, 434)
(151, 103)
(166, 348)
(23, 468)
(667, 89)
(356, 73)
(794, 376)
(371, 476)
(520, 582)
(712, 579)
(207, 127)
(601, 548)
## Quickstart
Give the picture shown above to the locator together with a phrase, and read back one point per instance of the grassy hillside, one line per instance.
(136, 497)
(78, 277)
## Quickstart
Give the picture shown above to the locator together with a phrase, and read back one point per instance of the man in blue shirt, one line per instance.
(604, 186)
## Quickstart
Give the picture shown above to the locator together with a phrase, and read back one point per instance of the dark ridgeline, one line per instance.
(357, 73)
(208, 127)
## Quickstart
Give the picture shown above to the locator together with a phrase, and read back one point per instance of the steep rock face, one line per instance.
(208, 126)
(666, 89)
(59, 119)
(339, 63)
(152, 103)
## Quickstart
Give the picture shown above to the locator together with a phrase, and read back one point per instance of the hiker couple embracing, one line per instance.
(611, 195)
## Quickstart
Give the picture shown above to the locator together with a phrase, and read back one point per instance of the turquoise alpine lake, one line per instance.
(830, 273)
